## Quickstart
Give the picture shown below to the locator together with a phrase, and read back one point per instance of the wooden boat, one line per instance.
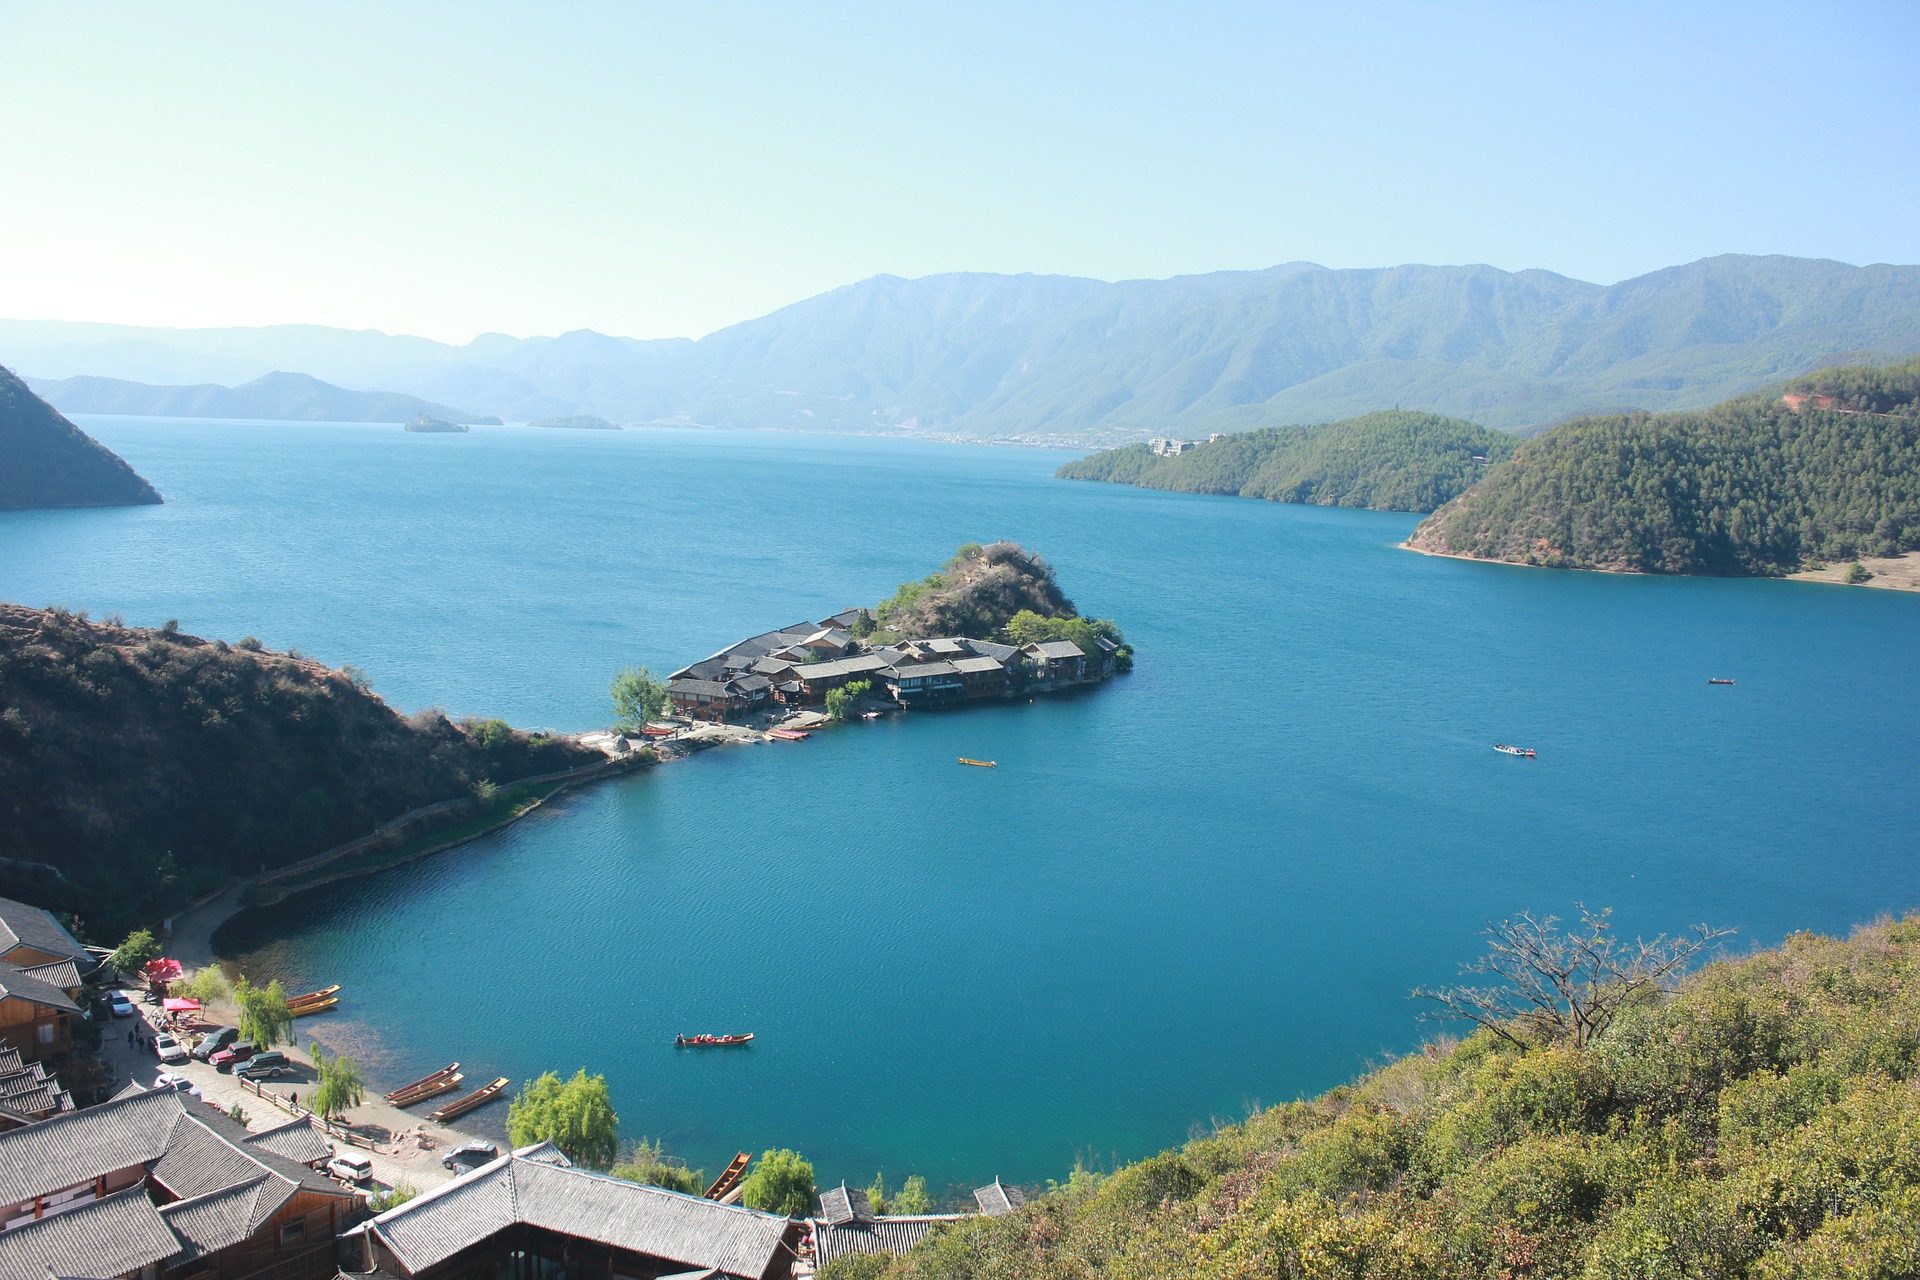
(1718, 680)
(420, 1093)
(431, 1078)
(981, 764)
(659, 730)
(712, 1042)
(312, 996)
(318, 1006)
(478, 1098)
(729, 1178)
(787, 735)
(1525, 753)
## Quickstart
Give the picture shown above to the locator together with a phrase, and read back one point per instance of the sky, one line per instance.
(658, 171)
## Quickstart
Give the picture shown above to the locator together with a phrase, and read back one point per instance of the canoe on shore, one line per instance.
(729, 1177)
(311, 997)
(409, 1097)
(432, 1078)
(478, 1098)
(787, 735)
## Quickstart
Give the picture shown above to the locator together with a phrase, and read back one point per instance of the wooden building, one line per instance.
(41, 975)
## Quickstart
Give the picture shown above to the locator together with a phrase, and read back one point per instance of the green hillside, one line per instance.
(144, 767)
(1747, 487)
(1389, 461)
(46, 461)
(273, 397)
(1763, 1122)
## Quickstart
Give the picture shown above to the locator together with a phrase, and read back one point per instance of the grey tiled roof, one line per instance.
(682, 1229)
(928, 669)
(1058, 649)
(845, 1204)
(993, 649)
(196, 1162)
(882, 1235)
(21, 924)
(17, 982)
(544, 1153)
(223, 1218)
(296, 1140)
(998, 1200)
(692, 688)
(977, 666)
(64, 974)
(107, 1237)
(81, 1145)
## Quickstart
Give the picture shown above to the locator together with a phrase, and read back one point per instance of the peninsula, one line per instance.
(1764, 485)
(272, 397)
(46, 461)
(1389, 461)
(577, 422)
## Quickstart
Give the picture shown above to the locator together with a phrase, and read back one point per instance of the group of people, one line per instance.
(139, 1039)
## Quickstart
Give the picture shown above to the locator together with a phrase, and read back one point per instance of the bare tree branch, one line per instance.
(1557, 985)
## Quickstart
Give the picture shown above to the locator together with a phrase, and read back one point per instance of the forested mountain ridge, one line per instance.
(46, 461)
(277, 397)
(147, 766)
(1754, 486)
(1395, 460)
(1759, 1123)
(1053, 359)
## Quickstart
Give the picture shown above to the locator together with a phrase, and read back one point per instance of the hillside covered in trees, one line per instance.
(46, 461)
(1389, 461)
(1757, 486)
(1760, 1122)
(976, 593)
(140, 768)
(274, 397)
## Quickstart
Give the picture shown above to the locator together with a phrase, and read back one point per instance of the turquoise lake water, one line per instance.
(1204, 886)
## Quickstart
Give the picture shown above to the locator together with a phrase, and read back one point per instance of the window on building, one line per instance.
(293, 1232)
(45, 1032)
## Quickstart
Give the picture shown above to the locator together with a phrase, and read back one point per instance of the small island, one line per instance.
(992, 623)
(578, 422)
(427, 424)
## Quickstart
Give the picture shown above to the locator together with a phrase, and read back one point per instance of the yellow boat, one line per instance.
(981, 764)
(318, 1006)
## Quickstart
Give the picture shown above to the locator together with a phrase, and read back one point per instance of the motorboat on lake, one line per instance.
(1525, 753)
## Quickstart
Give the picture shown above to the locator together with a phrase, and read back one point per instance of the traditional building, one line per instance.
(998, 1200)
(521, 1218)
(1056, 660)
(157, 1185)
(847, 1225)
(41, 972)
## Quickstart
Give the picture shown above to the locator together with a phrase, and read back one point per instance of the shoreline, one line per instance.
(1890, 573)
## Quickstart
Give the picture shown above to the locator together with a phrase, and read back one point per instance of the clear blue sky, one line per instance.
(655, 171)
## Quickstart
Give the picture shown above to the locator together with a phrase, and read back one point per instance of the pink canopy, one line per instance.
(163, 970)
(174, 1004)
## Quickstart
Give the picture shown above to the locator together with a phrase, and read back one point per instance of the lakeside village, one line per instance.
(208, 1172)
(778, 685)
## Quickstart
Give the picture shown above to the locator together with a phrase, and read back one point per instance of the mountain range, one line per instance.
(280, 397)
(1064, 360)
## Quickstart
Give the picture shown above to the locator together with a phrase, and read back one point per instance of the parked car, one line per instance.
(179, 1084)
(470, 1155)
(214, 1041)
(167, 1049)
(234, 1054)
(121, 1006)
(270, 1065)
(351, 1167)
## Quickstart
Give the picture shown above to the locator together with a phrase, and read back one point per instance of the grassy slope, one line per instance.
(46, 461)
(974, 594)
(1389, 461)
(149, 766)
(1764, 1122)
(1748, 487)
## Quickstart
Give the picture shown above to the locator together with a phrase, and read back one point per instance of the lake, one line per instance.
(1202, 887)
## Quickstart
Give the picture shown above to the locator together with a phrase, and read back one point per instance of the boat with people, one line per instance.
(981, 764)
(1718, 680)
(1525, 753)
(711, 1042)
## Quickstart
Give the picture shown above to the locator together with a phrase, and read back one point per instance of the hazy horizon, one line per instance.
(446, 172)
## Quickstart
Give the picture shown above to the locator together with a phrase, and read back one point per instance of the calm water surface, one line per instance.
(1207, 885)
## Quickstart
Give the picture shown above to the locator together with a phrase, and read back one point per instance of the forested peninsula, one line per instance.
(46, 461)
(1761, 1121)
(1394, 460)
(141, 768)
(1766, 484)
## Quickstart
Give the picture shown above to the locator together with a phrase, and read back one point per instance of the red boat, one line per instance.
(711, 1042)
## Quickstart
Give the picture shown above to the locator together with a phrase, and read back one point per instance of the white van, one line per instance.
(351, 1166)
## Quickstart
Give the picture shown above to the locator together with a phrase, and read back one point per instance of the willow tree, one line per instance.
(341, 1087)
(264, 1017)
